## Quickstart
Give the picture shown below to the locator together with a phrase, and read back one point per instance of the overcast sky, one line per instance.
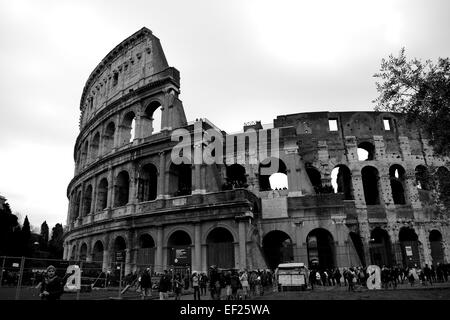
(239, 61)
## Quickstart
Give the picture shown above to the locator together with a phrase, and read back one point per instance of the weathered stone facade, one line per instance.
(128, 197)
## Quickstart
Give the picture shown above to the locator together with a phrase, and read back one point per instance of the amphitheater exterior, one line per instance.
(129, 203)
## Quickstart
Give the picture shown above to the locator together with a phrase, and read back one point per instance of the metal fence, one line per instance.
(20, 279)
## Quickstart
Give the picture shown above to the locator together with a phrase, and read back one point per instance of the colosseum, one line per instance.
(360, 187)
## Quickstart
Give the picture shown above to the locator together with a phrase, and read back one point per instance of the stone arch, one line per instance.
(73, 252)
(119, 246)
(220, 248)
(179, 248)
(127, 128)
(147, 182)
(278, 248)
(108, 137)
(321, 249)
(380, 247)
(180, 179)
(83, 251)
(409, 244)
(95, 146)
(436, 247)
(266, 172)
(398, 187)
(102, 194)
(366, 147)
(152, 118)
(370, 179)
(219, 225)
(341, 177)
(122, 189)
(423, 179)
(236, 177)
(87, 200)
(146, 250)
(97, 251)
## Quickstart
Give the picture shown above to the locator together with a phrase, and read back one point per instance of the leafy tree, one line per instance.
(44, 236)
(9, 232)
(421, 90)
(26, 238)
(55, 245)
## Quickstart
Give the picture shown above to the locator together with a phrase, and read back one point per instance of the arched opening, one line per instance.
(122, 188)
(180, 177)
(179, 246)
(366, 151)
(83, 252)
(73, 253)
(422, 178)
(220, 248)
(443, 180)
(95, 145)
(315, 178)
(271, 178)
(76, 205)
(410, 247)
(380, 247)
(147, 183)
(278, 248)
(370, 184)
(97, 254)
(87, 200)
(146, 251)
(341, 180)
(236, 177)
(321, 249)
(108, 138)
(102, 195)
(151, 120)
(436, 246)
(84, 154)
(127, 128)
(120, 247)
(397, 178)
(359, 247)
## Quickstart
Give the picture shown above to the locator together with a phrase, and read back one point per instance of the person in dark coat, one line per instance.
(146, 283)
(52, 285)
(164, 286)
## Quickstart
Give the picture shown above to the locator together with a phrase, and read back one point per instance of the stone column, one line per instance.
(110, 191)
(385, 191)
(94, 196)
(161, 177)
(425, 245)
(127, 261)
(196, 266)
(159, 250)
(81, 208)
(242, 244)
(293, 172)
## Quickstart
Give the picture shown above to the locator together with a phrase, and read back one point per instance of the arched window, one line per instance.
(76, 205)
(108, 138)
(341, 180)
(397, 178)
(102, 195)
(423, 178)
(370, 180)
(272, 174)
(122, 187)
(179, 247)
(148, 180)
(83, 252)
(151, 121)
(87, 200)
(236, 177)
(180, 176)
(366, 151)
(321, 249)
(380, 247)
(127, 128)
(220, 248)
(95, 145)
(97, 253)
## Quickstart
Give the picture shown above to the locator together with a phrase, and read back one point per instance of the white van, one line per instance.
(292, 276)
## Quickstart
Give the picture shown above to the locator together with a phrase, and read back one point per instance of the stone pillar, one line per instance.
(94, 196)
(425, 245)
(81, 208)
(203, 177)
(161, 177)
(385, 191)
(127, 261)
(352, 148)
(380, 149)
(111, 181)
(411, 190)
(358, 189)
(117, 133)
(106, 259)
(196, 266)
(159, 250)
(301, 254)
(66, 249)
(293, 172)
(242, 244)
(132, 197)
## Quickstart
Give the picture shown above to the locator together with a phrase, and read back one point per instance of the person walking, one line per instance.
(203, 283)
(164, 286)
(196, 286)
(146, 283)
(244, 282)
(177, 286)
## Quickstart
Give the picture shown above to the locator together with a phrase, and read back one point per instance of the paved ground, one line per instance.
(440, 291)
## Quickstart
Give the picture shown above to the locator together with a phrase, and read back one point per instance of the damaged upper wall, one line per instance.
(401, 139)
(132, 64)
